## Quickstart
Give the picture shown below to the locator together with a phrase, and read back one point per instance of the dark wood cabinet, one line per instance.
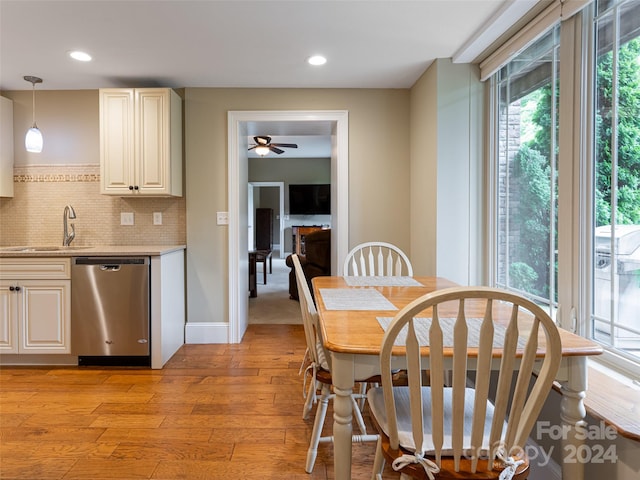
(299, 232)
(264, 229)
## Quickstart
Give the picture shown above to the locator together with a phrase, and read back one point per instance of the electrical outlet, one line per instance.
(157, 218)
(222, 218)
(126, 218)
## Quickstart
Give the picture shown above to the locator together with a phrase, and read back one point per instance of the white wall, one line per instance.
(446, 173)
(460, 173)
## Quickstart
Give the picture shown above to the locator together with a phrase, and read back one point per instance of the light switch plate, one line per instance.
(157, 218)
(222, 218)
(126, 218)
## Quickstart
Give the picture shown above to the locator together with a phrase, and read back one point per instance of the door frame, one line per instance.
(237, 122)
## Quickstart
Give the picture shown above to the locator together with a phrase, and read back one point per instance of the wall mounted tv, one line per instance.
(310, 199)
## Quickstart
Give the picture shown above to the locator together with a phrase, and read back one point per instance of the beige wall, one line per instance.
(68, 120)
(424, 156)
(67, 172)
(378, 175)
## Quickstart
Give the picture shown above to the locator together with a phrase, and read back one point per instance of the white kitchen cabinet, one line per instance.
(140, 142)
(35, 305)
(6, 147)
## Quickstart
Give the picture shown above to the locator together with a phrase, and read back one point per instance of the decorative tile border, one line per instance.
(56, 173)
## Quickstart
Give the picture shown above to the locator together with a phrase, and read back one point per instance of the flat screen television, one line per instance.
(310, 199)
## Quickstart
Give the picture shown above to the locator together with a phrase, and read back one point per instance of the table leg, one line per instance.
(253, 290)
(572, 413)
(342, 368)
(264, 270)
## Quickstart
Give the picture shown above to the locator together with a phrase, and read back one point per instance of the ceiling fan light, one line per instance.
(33, 140)
(262, 150)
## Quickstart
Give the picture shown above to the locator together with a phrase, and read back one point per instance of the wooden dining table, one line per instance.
(349, 308)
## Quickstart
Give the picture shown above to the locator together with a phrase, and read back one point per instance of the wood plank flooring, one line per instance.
(213, 412)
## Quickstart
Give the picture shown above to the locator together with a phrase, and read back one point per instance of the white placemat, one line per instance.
(381, 281)
(422, 325)
(355, 299)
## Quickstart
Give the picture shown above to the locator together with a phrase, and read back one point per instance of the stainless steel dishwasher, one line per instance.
(110, 310)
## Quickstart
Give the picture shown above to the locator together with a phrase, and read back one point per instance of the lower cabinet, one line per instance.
(35, 306)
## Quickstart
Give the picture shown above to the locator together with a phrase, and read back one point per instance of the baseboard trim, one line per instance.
(207, 332)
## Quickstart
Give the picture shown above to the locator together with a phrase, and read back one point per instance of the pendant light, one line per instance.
(33, 140)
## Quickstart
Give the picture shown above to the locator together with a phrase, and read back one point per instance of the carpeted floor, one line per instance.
(273, 305)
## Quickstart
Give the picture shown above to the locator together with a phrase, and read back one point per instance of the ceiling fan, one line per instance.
(263, 145)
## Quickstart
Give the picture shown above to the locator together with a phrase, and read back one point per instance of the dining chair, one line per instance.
(462, 431)
(320, 372)
(377, 259)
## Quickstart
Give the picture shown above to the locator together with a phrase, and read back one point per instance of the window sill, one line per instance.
(614, 399)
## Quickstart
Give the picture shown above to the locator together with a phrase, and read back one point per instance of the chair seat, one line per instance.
(405, 435)
(447, 467)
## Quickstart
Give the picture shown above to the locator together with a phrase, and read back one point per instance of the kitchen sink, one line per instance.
(40, 249)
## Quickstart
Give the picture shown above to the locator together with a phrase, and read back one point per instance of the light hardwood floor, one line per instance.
(213, 412)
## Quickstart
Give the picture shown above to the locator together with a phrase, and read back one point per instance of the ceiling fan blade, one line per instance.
(262, 139)
(251, 148)
(286, 145)
(275, 149)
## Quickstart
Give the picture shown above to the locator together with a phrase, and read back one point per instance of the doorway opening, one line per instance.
(242, 125)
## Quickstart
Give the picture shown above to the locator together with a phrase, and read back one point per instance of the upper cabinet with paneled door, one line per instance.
(6, 147)
(140, 142)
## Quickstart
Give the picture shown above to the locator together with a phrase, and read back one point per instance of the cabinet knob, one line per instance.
(136, 187)
(130, 187)
(17, 288)
(12, 288)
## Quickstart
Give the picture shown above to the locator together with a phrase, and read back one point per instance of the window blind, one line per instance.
(556, 11)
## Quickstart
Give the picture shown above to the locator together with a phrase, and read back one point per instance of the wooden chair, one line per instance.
(320, 369)
(452, 432)
(377, 259)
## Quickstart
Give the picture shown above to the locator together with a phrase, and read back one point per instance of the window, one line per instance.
(565, 188)
(615, 286)
(526, 215)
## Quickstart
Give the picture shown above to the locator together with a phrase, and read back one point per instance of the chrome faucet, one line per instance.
(69, 213)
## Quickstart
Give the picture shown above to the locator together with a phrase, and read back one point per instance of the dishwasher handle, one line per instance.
(110, 268)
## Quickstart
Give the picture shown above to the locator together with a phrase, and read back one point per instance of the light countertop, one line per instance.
(87, 251)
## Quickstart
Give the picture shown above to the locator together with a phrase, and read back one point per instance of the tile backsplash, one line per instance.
(34, 215)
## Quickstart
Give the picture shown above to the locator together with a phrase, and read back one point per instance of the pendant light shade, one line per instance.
(33, 141)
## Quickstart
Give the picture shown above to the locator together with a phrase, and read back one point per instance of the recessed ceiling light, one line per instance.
(80, 56)
(316, 60)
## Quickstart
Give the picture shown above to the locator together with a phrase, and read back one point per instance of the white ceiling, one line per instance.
(241, 43)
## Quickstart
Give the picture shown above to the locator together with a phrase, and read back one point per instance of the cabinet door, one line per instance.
(117, 141)
(8, 318)
(152, 140)
(45, 317)
(6, 147)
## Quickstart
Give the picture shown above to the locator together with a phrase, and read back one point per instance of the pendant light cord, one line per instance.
(33, 103)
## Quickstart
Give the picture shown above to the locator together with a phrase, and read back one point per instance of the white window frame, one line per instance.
(575, 175)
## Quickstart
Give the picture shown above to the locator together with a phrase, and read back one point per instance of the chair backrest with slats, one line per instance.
(309, 317)
(377, 259)
(461, 322)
